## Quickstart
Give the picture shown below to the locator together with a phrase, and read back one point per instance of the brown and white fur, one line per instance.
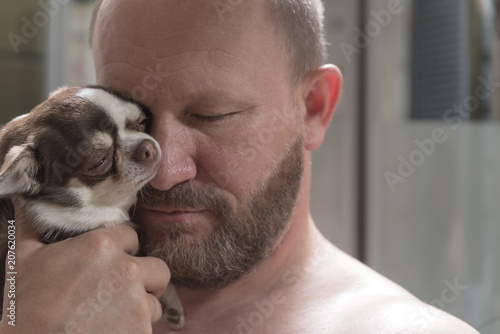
(76, 163)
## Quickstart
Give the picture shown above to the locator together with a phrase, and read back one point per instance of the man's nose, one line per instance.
(178, 149)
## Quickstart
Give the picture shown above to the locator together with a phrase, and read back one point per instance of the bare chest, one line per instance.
(263, 317)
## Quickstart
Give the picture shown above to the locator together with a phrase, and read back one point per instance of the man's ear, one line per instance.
(320, 92)
(18, 172)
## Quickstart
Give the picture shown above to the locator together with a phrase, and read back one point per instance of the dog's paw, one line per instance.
(173, 318)
(173, 312)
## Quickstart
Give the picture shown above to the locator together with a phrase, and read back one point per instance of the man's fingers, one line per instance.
(154, 308)
(124, 237)
(155, 275)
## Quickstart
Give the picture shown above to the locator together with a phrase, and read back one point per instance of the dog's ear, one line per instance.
(18, 172)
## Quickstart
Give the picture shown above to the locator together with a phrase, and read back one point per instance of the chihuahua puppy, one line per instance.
(76, 163)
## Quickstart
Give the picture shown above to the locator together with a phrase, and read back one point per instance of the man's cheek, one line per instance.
(248, 152)
(224, 177)
(235, 168)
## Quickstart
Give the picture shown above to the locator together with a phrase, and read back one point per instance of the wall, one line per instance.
(437, 225)
(22, 72)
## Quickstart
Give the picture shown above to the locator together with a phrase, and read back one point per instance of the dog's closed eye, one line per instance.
(99, 164)
(142, 124)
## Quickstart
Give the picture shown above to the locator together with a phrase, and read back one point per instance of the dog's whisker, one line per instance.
(116, 184)
(145, 196)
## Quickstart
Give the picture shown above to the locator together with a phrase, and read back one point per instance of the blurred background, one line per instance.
(408, 180)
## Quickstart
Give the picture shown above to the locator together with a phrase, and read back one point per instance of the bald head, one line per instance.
(298, 25)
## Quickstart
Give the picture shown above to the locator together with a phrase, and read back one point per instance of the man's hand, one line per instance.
(92, 283)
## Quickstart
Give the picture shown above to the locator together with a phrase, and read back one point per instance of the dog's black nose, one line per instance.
(146, 151)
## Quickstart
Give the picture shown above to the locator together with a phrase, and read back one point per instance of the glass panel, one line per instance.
(434, 179)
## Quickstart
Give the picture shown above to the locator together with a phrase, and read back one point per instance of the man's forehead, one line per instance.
(169, 15)
(184, 47)
(162, 18)
(177, 34)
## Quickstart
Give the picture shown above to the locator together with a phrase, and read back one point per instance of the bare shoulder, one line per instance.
(371, 303)
(393, 314)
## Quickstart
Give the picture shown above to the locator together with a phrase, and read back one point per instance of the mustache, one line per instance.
(185, 195)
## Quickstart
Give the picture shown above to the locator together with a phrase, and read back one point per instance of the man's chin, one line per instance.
(191, 264)
(182, 235)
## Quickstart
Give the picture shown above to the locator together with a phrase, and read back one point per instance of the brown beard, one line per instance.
(239, 241)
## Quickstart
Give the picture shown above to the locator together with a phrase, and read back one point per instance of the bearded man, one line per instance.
(239, 97)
